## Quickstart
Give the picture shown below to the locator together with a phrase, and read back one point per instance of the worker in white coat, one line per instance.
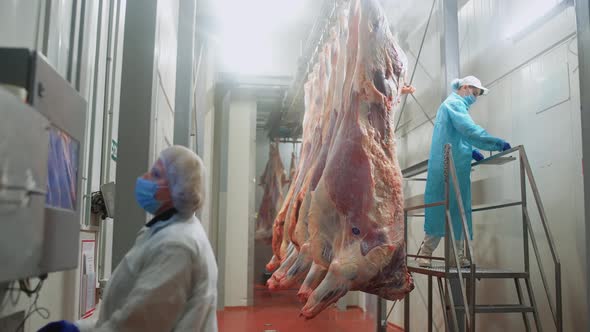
(168, 280)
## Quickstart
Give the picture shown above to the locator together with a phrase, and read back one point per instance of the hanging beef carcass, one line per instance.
(278, 248)
(331, 64)
(312, 141)
(355, 224)
(292, 166)
(317, 272)
(273, 180)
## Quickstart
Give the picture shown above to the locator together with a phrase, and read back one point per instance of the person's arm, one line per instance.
(159, 294)
(474, 134)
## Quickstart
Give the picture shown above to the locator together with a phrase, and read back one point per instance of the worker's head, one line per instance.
(469, 87)
(176, 180)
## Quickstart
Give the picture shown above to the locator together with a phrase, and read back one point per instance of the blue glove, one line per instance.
(60, 326)
(506, 146)
(476, 155)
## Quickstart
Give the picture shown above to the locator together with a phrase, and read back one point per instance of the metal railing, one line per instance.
(467, 282)
(468, 288)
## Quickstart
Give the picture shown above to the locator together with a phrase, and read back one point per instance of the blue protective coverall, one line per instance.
(453, 125)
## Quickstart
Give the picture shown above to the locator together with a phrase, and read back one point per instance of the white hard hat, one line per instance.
(474, 81)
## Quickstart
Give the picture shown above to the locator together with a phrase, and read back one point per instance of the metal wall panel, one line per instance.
(532, 72)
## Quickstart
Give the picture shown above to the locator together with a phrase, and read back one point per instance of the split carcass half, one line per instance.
(356, 226)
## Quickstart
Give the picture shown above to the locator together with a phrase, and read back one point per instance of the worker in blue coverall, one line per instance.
(454, 126)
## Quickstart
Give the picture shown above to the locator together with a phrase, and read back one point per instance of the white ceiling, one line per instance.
(260, 37)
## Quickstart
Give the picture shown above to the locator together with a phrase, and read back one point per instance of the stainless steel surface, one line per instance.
(416, 169)
(525, 318)
(109, 89)
(407, 298)
(429, 303)
(381, 324)
(467, 276)
(450, 301)
(491, 159)
(495, 206)
(449, 45)
(556, 310)
(184, 77)
(438, 270)
(462, 283)
(533, 301)
(442, 302)
(466, 285)
(583, 33)
(496, 161)
(419, 207)
(108, 194)
(135, 118)
(539, 204)
(525, 234)
(540, 264)
(96, 109)
(21, 234)
(500, 308)
(60, 103)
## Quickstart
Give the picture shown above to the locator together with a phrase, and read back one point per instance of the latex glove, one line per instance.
(60, 326)
(506, 146)
(476, 155)
(408, 89)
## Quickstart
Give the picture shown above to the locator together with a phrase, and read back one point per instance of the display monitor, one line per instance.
(62, 170)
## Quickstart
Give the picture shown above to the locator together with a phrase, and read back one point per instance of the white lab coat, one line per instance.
(166, 282)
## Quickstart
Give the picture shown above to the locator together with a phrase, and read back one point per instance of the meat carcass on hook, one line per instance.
(356, 224)
(272, 180)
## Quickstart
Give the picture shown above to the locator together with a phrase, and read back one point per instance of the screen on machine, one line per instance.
(62, 173)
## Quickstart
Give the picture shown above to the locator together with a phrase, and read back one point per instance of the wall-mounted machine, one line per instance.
(41, 157)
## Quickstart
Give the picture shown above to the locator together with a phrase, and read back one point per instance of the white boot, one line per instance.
(428, 246)
(461, 254)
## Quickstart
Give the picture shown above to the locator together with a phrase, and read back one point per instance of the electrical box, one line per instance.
(52, 97)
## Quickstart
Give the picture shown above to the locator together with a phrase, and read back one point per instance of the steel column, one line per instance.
(183, 104)
(135, 120)
(583, 33)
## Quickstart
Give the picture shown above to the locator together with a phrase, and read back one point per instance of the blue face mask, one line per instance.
(145, 194)
(470, 99)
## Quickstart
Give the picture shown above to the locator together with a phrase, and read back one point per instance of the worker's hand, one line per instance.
(60, 326)
(476, 155)
(506, 146)
(408, 89)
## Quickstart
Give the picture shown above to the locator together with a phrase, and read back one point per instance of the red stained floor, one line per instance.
(279, 311)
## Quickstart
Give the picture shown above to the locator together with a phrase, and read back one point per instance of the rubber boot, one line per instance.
(428, 246)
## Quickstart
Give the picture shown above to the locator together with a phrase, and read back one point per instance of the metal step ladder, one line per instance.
(457, 286)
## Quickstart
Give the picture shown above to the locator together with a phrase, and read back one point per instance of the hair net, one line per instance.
(456, 84)
(185, 173)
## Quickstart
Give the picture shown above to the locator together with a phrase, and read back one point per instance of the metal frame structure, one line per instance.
(469, 276)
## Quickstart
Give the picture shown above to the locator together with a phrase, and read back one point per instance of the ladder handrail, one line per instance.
(450, 174)
(539, 203)
(557, 310)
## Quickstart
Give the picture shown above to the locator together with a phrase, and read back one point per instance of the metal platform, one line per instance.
(438, 270)
(457, 286)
